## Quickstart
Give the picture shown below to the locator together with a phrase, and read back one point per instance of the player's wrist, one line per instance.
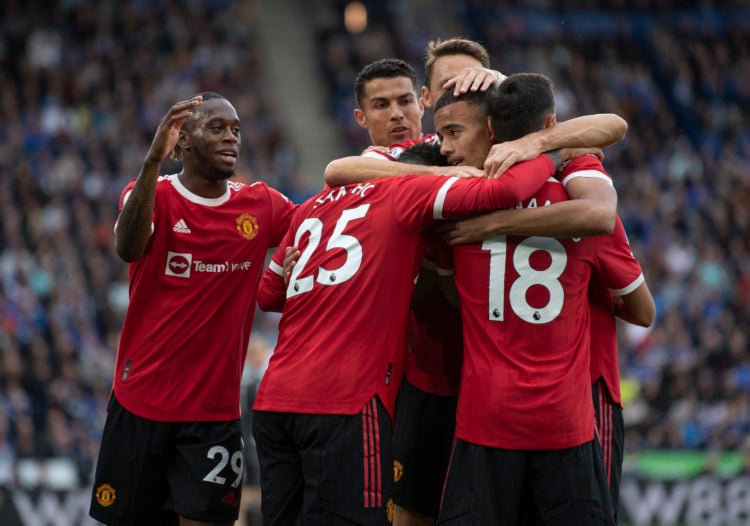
(556, 157)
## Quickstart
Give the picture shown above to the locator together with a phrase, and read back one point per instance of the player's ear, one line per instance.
(425, 98)
(550, 121)
(360, 117)
(182, 141)
(493, 138)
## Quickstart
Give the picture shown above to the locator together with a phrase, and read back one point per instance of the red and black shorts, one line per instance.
(422, 442)
(611, 431)
(325, 469)
(149, 473)
(489, 486)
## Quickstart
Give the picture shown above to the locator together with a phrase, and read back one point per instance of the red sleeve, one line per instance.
(520, 182)
(282, 210)
(619, 269)
(272, 290)
(587, 165)
(126, 192)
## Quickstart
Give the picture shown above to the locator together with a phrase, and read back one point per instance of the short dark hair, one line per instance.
(207, 95)
(424, 153)
(483, 99)
(523, 103)
(386, 68)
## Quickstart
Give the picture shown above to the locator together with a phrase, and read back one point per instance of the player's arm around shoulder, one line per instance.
(358, 169)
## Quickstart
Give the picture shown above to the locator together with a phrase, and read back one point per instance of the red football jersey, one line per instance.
(604, 358)
(433, 363)
(435, 351)
(605, 363)
(525, 380)
(192, 300)
(342, 334)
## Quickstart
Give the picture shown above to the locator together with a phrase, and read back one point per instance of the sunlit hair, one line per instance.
(207, 95)
(386, 68)
(453, 46)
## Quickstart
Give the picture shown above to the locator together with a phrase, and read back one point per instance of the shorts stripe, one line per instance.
(365, 457)
(605, 425)
(377, 453)
(373, 494)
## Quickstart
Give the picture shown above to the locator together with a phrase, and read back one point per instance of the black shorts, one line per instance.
(488, 486)
(149, 473)
(422, 442)
(325, 469)
(611, 427)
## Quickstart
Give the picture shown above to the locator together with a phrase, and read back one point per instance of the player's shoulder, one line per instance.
(588, 165)
(164, 183)
(254, 190)
(583, 162)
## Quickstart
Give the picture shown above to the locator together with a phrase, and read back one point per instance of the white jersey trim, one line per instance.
(276, 268)
(594, 174)
(440, 198)
(630, 288)
(190, 196)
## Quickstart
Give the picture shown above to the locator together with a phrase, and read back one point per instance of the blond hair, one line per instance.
(453, 46)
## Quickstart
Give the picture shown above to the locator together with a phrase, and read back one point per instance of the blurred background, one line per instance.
(83, 85)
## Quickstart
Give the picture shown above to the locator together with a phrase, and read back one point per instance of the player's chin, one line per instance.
(221, 174)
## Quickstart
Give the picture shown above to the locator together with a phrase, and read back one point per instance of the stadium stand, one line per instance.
(82, 89)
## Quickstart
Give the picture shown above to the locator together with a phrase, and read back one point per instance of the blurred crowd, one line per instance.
(82, 91)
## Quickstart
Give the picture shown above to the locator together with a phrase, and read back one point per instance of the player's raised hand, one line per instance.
(474, 79)
(505, 154)
(290, 259)
(168, 131)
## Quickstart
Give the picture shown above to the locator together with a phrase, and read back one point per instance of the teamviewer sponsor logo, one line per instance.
(178, 264)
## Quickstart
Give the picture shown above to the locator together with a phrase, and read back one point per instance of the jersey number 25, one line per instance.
(299, 284)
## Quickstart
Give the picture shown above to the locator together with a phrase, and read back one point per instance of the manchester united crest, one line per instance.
(105, 495)
(247, 226)
(398, 470)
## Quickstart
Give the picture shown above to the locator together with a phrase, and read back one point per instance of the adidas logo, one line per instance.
(181, 227)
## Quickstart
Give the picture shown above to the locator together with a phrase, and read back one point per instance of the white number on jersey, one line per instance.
(298, 283)
(527, 277)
